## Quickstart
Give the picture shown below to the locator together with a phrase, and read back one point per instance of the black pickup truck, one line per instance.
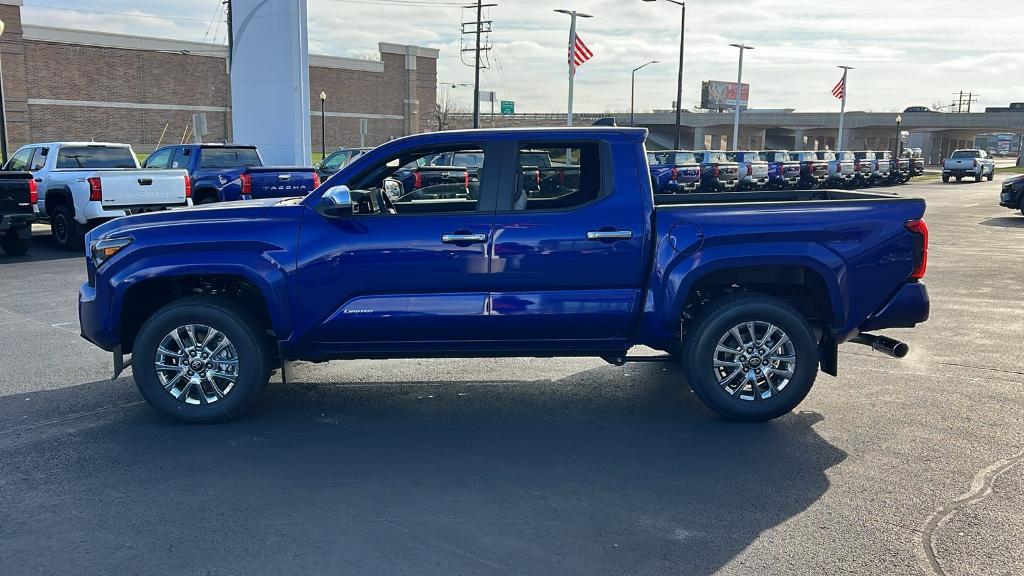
(18, 210)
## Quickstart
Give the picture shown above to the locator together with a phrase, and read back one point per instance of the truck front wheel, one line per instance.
(201, 359)
(750, 357)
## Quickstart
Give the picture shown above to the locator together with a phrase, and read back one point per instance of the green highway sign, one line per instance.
(508, 107)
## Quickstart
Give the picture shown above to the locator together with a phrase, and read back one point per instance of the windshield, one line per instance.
(864, 155)
(825, 155)
(776, 156)
(713, 157)
(95, 157)
(229, 158)
(676, 158)
(965, 154)
(743, 157)
(844, 155)
(338, 159)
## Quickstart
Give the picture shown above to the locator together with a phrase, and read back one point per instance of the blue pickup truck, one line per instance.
(674, 171)
(750, 291)
(226, 172)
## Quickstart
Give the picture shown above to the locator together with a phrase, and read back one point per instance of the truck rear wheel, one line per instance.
(13, 245)
(750, 357)
(66, 231)
(201, 359)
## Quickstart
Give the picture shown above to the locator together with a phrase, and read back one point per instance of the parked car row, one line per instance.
(681, 171)
(76, 186)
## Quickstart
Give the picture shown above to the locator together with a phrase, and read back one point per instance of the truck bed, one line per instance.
(768, 196)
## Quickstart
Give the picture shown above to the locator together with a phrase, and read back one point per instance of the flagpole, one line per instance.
(572, 53)
(842, 110)
(572, 61)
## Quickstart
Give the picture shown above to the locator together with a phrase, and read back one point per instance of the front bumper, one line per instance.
(93, 315)
(909, 307)
(1010, 198)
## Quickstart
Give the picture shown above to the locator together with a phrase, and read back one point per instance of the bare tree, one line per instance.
(445, 110)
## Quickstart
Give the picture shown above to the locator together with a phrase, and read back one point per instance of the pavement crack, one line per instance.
(981, 487)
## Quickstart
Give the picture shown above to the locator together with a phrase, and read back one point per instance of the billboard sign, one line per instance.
(715, 94)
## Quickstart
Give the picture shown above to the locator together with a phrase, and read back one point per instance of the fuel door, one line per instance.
(686, 237)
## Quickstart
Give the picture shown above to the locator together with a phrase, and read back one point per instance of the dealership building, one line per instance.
(68, 84)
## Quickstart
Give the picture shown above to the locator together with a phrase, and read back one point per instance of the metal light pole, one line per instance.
(3, 111)
(739, 92)
(679, 84)
(632, 89)
(323, 126)
(572, 48)
(899, 143)
(842, 109)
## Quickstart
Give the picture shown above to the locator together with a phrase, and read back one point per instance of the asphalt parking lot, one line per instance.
(567, 466)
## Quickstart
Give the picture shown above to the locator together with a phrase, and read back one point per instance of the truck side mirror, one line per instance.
(336, 202)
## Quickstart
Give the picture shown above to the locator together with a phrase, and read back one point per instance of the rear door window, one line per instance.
(573, 177)
(159, 159)
(38, 159)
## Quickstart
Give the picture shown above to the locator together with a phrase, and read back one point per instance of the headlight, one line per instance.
(105, 248)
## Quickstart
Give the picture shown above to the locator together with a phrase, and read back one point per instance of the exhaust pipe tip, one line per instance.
(883, 344)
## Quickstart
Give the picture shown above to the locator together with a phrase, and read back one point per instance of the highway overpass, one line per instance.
(936, 133)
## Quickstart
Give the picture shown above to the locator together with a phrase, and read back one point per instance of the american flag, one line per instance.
(580, 52)
(839, 91)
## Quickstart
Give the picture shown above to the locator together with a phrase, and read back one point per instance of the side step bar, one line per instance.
(883, 344)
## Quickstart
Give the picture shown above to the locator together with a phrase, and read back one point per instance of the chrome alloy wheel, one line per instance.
(196, 364)
(754, 361)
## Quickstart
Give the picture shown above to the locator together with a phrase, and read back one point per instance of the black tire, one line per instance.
(66, 232)
(254, 354)
(206, 197)
(959, 178)
(945, 178)
(714, 321)
(980, 176)
(12, 245)
(991, 174)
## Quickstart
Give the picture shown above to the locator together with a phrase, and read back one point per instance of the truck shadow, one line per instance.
(1005, 222)
(607, 471)
(43, 249)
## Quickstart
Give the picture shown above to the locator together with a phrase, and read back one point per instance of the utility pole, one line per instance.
(478, 30)
(231, 39)
(739, 94)
(963, 99)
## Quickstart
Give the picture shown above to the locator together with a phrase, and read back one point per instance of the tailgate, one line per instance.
(15, 194)
(281, 182)
(123, 188)
(759, 169)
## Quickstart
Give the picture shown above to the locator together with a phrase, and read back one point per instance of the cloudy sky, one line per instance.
(905, 53)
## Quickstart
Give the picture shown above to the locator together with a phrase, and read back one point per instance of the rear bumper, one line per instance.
(962, 171)
(8, 221)
(94, 211)
(676, 187)
(909, 307)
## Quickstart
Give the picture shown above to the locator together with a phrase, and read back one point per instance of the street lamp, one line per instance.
(632, 89)
(739, 92)
(899, 143)
(323, 126)
(3, 111)
(679, 84)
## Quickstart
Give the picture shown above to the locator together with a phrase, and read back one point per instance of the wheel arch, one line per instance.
(140, 295)
(60, 195)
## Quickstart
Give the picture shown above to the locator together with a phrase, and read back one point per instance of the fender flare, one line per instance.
(253, 268)
(686, 272)
(63, 192)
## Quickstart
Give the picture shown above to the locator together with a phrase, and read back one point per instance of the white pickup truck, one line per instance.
(83, 184)
(972, 162)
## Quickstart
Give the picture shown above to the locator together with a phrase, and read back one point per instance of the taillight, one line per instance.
(715, 171)
(33, 191)
(246, 180)
(467, 179)
(750, 169)
(675, 174)
(417, 180)
(95, 189)
(920, 231)
(316, 180)
(188, 186)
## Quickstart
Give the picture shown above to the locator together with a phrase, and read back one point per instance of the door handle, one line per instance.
(38, 179)
(610, 235)
(463, 238)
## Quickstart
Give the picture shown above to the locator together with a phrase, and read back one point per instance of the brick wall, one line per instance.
(66, 89)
